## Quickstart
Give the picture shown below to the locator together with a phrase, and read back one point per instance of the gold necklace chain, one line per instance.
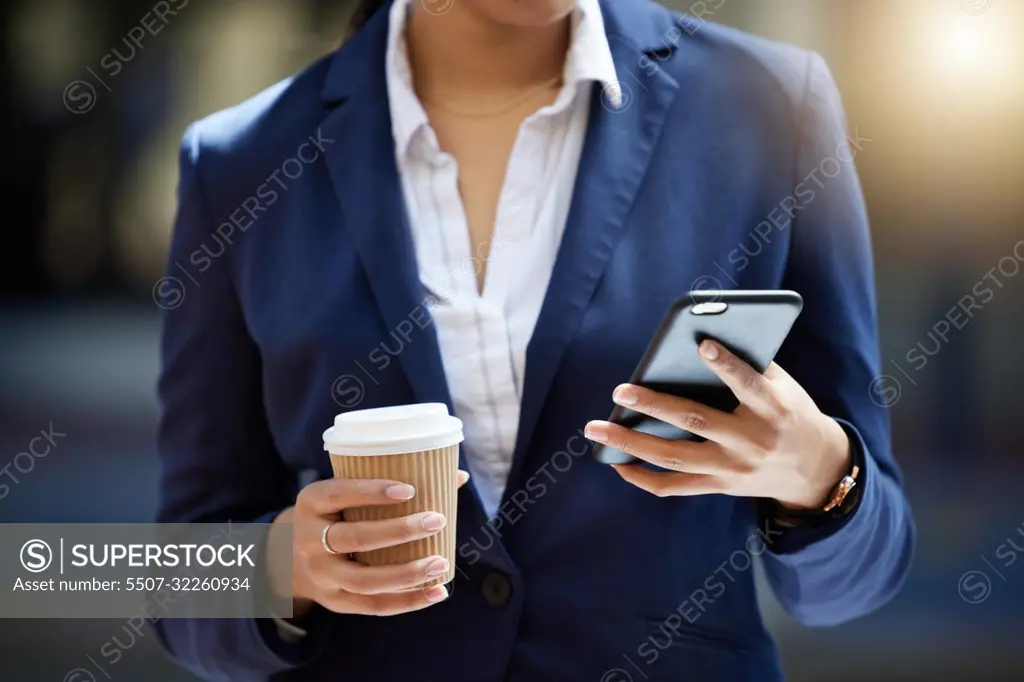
(503, 110)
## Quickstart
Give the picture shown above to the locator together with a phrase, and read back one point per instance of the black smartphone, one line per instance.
(751, 324)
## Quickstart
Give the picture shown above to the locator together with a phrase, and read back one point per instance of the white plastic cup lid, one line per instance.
(393, 430)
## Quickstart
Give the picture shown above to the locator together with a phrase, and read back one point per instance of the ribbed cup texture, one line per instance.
(434, 474)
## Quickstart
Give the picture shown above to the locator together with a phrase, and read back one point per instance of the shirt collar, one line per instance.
(589, 59)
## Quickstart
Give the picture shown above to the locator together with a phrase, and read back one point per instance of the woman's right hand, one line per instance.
(342, 585)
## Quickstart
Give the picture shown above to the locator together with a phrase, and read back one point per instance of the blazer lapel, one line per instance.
(362, 167)
(365, 177)
(616, 153)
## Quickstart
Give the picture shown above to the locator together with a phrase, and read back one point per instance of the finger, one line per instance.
(697, 458)
(669, 483)
(387, 604)
(364, 536)
(776, 374)
(748, 385)
(330, 496)
(462, 478)
(707, 422)
(352, 576)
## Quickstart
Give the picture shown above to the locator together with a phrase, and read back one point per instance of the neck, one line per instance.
(464, 51)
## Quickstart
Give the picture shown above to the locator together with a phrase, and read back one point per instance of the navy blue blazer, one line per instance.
(292, 289)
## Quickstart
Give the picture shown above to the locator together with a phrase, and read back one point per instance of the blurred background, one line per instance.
(92, 123)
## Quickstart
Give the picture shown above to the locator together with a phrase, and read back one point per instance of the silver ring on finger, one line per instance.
(323, 538)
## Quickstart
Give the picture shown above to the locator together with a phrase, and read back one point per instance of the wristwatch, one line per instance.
(842, 490)
(841, 502)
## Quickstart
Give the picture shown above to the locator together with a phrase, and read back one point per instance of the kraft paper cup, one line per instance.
(414, 444)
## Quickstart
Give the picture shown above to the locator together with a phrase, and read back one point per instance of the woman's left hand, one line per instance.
(777, 444)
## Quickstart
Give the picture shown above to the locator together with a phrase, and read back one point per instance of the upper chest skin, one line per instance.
(481, 146)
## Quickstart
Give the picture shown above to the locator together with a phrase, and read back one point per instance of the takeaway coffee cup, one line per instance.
(414, 444)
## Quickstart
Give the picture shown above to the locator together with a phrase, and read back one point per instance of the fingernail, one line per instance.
(709, 350)
(433, 522)
(625, 395)
(435, 593)
(400, 491)
(437, 566)
(595, 433)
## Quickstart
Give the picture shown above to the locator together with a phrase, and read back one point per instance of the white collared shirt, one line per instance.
(483, 336)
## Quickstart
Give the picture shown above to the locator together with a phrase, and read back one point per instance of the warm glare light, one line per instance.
(969, 48)
(978, 49)
(966, 42)
(964, 46)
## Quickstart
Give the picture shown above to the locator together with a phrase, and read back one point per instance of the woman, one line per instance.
(490, 204)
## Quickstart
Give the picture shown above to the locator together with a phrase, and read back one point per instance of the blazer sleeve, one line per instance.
(833, 572)
(218, 459)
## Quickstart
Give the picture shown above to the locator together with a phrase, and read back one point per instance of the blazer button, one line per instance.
(496, 589)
